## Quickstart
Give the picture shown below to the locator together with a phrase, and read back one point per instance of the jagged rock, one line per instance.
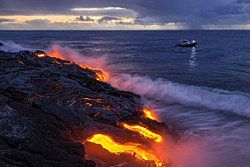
(39, 52)
(48, 107)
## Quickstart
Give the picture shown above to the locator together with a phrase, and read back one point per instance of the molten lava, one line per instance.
(106, 142)
(144, 131)
(56, 54)
(87, 67)
(116, 148)
(149, 114)
(41, 55)
(100, 76)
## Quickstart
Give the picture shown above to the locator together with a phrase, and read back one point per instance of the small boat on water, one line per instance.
(186, 43)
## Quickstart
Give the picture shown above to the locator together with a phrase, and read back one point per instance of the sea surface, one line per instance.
(204, 91)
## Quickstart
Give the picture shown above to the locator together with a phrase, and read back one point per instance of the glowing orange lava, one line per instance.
(41, 55)
(56, 54)
(100, 76)
(128, 148)
(144, 131)
(87, 67)
(133, 149)
(149, 114)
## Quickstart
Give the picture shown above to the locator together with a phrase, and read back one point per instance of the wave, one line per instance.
(170, 92)
(10, 46)
(159, 89)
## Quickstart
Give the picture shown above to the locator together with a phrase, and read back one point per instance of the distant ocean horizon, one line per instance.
(204, 90)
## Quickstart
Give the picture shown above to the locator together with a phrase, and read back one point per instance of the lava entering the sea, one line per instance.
(128, 148)
(106, 142)
(143, 131)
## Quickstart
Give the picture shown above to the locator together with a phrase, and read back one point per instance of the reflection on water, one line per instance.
(192, 60)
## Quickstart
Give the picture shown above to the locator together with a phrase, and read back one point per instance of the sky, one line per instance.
(124, 14)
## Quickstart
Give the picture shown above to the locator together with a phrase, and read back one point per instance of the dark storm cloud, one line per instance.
(117, 20)
(194, 13)
(84, 19)
(6, 20)
(107, 19)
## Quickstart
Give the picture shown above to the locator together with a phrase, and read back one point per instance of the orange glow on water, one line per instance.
(149, 114)
(128, 148)
(144, 131)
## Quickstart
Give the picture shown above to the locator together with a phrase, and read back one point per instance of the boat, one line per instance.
(186, 43)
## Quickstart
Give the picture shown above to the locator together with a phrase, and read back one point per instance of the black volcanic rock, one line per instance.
(1, 44)
(48, 107)
(39, 52)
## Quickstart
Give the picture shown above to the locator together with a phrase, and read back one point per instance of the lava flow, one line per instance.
(100, 76)
(41, 55)
(56, 53)
(106, 142)
(149, 114)
(116, 148)
(144, 131)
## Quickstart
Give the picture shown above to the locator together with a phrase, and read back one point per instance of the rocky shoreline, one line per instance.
(49, 107)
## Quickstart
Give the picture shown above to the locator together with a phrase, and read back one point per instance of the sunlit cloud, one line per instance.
(202, 14)
(98, 9)
(78, 23)
(51, 18)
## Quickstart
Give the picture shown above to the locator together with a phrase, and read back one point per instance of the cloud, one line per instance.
(3, 20)
(98, 9)
(195, 14)
(84, 19)
(108, 19)
(116, 20)
(44, 24)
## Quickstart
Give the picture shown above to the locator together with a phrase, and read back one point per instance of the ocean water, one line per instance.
(202, 91)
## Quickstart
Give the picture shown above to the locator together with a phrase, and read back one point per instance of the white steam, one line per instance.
(74, 56)
(10, 46)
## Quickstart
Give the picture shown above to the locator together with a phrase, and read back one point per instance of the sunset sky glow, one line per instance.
(124, 15)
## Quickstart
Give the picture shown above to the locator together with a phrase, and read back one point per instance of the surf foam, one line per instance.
(170, 92)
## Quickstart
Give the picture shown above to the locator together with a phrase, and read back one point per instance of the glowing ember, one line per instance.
(116, 148)
(149, 114)
(87, 67)
(101, 76)
(41, 55)
(144, 131)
